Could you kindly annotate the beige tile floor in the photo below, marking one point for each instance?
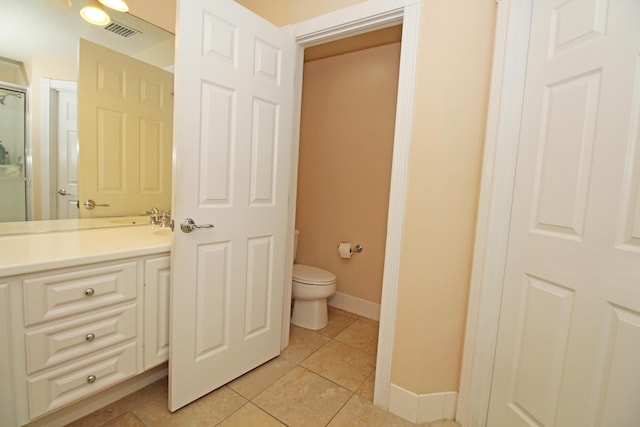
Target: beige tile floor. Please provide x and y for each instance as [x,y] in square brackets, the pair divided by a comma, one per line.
[323,378]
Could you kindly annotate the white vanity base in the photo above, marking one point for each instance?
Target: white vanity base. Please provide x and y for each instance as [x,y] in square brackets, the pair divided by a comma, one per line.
[83,321]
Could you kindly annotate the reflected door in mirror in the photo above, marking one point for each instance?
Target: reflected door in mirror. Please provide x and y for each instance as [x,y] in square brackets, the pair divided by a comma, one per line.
[67,147]
[125,129]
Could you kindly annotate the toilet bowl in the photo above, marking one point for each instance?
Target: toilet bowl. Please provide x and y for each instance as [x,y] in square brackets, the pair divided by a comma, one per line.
[310,288]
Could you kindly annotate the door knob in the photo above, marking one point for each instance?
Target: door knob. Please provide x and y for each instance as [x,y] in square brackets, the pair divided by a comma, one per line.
[188,225]
[90,204]
[63,192]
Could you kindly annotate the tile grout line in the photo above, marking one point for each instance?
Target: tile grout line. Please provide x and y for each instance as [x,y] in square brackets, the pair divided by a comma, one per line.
[341,408]
[247,401]
[299,364]
[328,379]
[351,319]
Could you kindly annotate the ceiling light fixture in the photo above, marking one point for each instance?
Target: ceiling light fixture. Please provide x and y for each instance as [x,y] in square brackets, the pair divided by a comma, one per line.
[94,13]
[119,5]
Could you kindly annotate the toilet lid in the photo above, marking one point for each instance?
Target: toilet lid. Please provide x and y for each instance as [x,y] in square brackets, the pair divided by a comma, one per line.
[312,275]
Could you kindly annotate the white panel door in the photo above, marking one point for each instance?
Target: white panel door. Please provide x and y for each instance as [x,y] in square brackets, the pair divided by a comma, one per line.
[233,130]
[67,166]
[568,347]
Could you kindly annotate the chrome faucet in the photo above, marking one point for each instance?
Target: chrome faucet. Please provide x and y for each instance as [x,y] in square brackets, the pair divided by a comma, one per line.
[154,216]
[165,219]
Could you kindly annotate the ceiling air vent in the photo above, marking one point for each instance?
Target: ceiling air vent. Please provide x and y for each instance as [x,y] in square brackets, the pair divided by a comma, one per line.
[121,30]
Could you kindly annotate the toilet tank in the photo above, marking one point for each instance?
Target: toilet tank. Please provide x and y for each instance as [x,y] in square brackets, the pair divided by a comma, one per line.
[295,244]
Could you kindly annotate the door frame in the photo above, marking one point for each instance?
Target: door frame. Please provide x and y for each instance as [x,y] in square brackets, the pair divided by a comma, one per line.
[358,19]
[494,210]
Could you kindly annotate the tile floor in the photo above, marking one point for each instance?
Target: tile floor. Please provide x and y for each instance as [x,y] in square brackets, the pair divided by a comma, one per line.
[323,378]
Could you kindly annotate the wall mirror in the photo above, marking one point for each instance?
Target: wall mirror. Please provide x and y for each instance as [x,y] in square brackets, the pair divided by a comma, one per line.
[39,45]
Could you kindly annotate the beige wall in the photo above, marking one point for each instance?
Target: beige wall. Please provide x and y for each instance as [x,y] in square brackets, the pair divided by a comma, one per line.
[446,153]
[346,145]
[455,48]
[51,67]
[161,13]
[12,72]
[283,12]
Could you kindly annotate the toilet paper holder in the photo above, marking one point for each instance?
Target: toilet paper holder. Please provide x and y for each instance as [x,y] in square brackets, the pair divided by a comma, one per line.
[357,248]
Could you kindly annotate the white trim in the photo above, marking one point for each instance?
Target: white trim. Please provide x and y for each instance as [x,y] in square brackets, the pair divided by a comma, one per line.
[494,211]
[293,191]
[397,201]
[359,306]
[28,139]
[45,135]
[422,408]
[357,19]
[360,18]
[403,403]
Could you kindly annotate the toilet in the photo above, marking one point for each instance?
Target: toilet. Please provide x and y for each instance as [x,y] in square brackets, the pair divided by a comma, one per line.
[310,288]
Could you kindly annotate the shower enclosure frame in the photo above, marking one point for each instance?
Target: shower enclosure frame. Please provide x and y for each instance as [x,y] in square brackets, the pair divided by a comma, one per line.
[28,153]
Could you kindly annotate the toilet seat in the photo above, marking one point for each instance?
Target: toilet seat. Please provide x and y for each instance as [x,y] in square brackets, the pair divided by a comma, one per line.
[309,275]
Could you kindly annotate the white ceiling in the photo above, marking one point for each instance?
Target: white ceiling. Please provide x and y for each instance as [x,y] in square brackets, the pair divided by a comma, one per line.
[32,27]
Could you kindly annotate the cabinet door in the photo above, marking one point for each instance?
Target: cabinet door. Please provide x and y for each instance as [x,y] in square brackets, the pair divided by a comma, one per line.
[156,311]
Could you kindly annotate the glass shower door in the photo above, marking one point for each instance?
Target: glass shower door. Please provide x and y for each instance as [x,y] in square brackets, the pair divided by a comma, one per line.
[13,180]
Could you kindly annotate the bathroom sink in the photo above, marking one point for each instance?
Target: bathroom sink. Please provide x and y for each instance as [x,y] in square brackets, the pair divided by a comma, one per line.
[165,231]
[133,220]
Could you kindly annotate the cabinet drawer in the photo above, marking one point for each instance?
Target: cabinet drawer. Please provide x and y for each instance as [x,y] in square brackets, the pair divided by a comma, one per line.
[64,294]
[64,341]
[69,384]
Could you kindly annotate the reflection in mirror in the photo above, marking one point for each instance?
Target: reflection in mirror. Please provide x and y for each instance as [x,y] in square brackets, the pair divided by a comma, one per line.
[13,204]
[125,128]
[38,57]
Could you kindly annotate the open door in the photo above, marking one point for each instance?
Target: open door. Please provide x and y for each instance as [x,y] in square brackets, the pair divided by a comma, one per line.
[568,342]
[233,133]
[125,125]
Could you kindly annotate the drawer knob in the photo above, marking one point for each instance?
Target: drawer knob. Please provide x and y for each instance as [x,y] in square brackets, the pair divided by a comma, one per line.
[89,291]
[91,379]
[89,337]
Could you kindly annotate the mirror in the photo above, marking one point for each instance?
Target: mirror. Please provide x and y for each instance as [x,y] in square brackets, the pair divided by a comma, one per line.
[39,45]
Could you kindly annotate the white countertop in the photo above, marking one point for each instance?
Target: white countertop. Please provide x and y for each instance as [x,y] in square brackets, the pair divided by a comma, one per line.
[27,253]
[48,226]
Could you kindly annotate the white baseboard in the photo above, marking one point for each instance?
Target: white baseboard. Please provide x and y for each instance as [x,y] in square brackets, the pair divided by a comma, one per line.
[422,408]
[359,306]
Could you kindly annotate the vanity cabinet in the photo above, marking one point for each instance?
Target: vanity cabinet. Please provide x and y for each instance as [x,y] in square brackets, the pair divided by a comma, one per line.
[156,311]
[77,331]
